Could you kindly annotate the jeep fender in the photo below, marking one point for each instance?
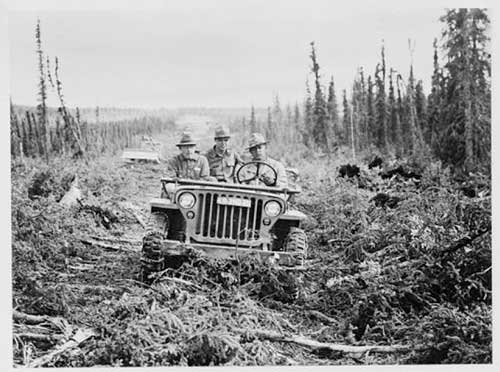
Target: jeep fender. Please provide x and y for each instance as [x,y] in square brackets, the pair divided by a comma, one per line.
[293,215]
[158,204]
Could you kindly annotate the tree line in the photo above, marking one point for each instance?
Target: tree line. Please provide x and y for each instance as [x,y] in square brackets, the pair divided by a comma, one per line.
[42,133]
[388,114]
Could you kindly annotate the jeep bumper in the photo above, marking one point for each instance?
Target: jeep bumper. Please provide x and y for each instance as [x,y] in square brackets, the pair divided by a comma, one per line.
[177,248]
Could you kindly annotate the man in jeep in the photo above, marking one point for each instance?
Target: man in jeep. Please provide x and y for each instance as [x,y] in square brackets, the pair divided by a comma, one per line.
[257,147]
[189,164]
[222,161]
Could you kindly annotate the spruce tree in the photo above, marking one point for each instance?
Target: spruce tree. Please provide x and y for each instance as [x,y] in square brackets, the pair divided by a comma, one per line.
[297,136]
[346,119]
[401,119]
[42,96]
[434,121]
[307,129]
[465,142]
[253,123]
[370,113]
[15,135]
[333,114]
[421,106]
[393,114]
[270,130]
[380,103]
[277,118]
[25,137]
[320,121]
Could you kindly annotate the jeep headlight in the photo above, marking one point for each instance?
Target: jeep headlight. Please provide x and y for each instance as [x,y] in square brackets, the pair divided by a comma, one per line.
[186,200]
[272,208]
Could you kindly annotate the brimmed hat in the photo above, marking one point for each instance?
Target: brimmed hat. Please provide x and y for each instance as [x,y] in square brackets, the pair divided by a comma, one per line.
[186,140]
[221,132]
[255,140]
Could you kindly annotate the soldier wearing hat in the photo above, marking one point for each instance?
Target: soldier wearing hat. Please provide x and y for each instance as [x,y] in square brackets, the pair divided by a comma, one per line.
[257,147]
[222,161]
[189,164]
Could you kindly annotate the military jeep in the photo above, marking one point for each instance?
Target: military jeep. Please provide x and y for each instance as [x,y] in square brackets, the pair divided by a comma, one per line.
[224,220]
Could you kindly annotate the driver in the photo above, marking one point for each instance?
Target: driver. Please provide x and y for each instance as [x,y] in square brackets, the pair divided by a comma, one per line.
[257,147]
[223,161]
[189,164]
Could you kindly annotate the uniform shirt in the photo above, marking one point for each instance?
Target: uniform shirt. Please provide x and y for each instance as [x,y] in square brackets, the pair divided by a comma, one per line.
[223,166]
[281,178]
[194,168]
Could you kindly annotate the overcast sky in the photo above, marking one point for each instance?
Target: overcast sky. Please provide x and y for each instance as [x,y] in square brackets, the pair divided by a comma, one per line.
[215,53]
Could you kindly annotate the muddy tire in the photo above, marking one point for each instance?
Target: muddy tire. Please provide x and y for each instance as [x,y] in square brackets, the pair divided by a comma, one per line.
[296,241]
[152,259]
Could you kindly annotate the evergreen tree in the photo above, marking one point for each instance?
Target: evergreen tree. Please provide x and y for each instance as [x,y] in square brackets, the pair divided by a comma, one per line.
[415,145]
[401,119]
[320,121]
[253,123]
[370,112]
[270,130]
[346,119]
[465,141]
[297,136]
[333,114]
[97,115]
[308,118]
[42,96]
[288,125]
[380,103]
[15,134]
[25,137]
[363,115]
[420,106]
[277,116]
[435,101]
[393,115]
[32,140]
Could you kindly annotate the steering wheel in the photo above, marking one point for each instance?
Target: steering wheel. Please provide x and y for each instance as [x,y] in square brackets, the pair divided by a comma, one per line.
[254,173]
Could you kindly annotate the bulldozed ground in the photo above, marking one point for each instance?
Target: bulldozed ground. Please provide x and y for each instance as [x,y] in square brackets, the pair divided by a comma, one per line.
[398,272]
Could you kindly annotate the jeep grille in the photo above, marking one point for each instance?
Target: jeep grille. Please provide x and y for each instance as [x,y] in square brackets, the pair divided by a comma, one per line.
[228,222]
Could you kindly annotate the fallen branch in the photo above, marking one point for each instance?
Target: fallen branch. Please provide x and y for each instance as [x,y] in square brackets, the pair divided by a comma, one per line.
[460,243]
[40,337]
[116,240]
[320,316]
[81,267]
[77,339]
[180,281]
[30,319]
[83,287]
[303,341]
[105,245]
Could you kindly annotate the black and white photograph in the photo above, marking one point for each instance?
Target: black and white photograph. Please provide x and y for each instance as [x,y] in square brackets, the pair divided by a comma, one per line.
[248,184]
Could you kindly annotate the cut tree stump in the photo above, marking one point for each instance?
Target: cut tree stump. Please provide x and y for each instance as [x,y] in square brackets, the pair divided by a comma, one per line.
[73,196]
